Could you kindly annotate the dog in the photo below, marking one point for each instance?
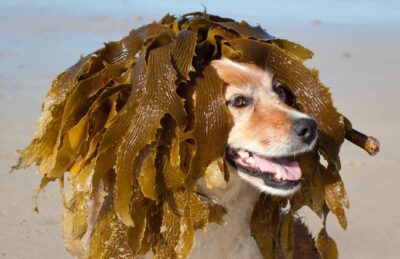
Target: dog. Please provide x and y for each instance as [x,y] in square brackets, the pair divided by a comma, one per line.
[266,136]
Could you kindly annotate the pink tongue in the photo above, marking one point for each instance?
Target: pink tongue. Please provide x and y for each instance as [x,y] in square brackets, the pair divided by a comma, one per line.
[290,170]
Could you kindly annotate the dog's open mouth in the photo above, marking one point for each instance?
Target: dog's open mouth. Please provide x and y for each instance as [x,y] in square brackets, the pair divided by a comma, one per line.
[277,172]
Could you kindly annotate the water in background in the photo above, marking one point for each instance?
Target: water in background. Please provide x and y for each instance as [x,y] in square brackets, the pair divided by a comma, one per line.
[280,11]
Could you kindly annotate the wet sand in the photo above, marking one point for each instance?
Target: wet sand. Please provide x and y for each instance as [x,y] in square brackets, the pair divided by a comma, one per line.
[359,62]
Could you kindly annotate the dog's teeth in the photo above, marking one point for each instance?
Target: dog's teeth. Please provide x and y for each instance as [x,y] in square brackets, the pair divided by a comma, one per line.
[278,174]
[250,160]
[243,154]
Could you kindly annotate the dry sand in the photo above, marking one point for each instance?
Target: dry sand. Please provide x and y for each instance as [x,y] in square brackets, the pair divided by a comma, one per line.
[360,63]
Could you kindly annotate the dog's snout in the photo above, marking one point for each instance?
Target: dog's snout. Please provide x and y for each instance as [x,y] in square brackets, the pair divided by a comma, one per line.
[305,129]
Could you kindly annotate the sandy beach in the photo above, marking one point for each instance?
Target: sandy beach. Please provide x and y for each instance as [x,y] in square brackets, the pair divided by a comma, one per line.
[360,62]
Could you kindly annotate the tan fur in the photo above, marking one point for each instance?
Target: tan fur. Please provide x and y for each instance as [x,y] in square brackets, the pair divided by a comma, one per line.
[268,120]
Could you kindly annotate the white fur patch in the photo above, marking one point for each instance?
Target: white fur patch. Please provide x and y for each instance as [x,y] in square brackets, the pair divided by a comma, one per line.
[233,239]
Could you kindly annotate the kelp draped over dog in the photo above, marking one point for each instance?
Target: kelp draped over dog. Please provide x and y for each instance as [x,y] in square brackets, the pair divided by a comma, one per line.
[142,119]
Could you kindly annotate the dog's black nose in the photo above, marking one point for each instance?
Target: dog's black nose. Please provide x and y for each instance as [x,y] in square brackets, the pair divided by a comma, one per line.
[305,129]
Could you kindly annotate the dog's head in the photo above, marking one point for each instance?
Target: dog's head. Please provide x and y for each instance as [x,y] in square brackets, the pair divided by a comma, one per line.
[267,133]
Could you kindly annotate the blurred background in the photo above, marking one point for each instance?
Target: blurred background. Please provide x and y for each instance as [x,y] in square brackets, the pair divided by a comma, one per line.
[357,50]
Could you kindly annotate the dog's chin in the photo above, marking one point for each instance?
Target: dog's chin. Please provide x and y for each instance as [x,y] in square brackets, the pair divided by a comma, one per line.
[279,176]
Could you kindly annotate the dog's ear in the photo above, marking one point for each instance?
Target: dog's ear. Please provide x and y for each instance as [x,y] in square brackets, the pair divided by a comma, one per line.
[239,74]
[231,72]
[224,64]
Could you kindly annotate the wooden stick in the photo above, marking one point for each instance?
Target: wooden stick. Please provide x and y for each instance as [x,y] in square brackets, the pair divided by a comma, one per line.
[368,143]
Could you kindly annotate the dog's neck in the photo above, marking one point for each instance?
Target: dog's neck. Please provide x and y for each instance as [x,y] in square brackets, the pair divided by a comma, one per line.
[236,194]
[233,238]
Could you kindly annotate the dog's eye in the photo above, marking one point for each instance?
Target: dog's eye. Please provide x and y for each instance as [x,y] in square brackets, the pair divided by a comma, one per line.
[283,92]
[239,101]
